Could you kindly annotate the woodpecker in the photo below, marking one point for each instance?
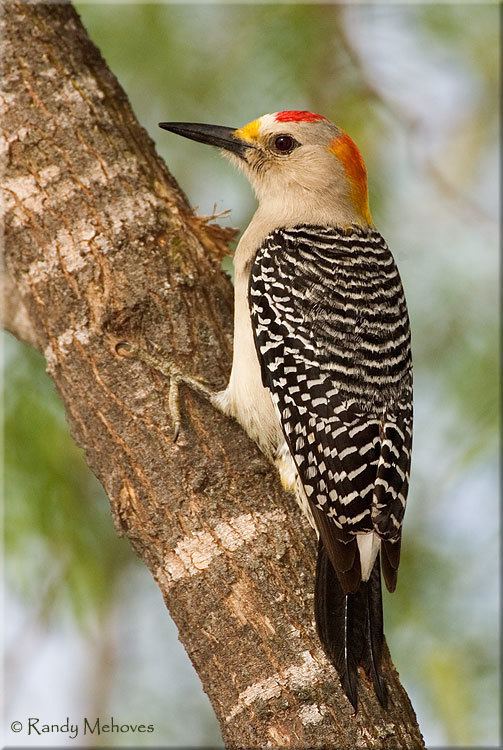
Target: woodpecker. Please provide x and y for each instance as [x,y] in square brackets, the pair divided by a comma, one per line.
[321,375]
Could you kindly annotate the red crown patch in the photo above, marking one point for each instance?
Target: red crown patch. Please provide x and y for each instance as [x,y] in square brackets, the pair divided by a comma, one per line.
[294,115]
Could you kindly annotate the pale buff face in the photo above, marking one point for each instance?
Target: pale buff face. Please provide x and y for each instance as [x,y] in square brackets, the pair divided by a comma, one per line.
[323,167]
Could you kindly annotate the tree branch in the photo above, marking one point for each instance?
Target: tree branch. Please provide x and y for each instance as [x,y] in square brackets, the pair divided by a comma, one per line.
[102,245]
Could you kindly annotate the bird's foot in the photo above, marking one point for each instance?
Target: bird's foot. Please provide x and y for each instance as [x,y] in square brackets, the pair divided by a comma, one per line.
[169,370]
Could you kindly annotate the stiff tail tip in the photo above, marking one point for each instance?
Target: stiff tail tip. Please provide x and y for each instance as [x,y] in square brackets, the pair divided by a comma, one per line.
[350,627]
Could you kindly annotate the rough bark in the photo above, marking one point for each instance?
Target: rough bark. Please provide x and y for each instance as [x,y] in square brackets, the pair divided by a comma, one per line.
[102,246]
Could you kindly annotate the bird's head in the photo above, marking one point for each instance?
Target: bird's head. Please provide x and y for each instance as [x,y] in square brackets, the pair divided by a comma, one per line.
[301,166]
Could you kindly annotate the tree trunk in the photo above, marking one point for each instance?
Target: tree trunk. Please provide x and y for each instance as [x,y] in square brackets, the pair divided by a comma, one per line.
[101,246]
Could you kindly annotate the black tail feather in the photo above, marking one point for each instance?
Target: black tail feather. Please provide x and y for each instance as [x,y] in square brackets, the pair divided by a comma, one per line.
[350,627]
[374,640]
[333,622]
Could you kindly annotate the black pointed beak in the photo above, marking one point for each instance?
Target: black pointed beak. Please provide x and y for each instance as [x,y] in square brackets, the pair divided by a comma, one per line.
[214,135]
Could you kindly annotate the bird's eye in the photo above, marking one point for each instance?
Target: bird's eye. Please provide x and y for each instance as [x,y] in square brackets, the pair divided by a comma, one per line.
[283,144]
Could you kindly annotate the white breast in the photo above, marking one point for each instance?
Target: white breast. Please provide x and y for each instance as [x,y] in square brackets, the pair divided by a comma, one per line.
[245,398]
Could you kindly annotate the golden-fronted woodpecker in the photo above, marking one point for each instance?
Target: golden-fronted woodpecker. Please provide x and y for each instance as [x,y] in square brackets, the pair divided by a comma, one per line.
[321,375]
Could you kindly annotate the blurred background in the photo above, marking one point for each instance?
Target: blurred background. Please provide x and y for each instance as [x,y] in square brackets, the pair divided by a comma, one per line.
[416,86]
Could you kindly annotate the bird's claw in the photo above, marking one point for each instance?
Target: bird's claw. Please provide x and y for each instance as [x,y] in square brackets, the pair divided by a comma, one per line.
[130,350]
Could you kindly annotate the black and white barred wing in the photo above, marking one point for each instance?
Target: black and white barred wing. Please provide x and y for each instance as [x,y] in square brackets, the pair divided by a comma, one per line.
[332,336]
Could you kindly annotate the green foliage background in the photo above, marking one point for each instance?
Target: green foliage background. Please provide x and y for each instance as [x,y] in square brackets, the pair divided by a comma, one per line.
[417,87]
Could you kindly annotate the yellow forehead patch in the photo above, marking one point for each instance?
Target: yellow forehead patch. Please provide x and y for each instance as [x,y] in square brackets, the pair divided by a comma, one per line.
[249,132]
[346,150]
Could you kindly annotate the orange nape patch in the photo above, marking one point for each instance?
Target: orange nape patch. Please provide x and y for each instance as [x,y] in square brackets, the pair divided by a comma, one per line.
[345,149]
[248,132]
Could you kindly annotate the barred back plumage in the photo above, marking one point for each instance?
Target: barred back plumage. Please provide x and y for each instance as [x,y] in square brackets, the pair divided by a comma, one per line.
[332,335]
